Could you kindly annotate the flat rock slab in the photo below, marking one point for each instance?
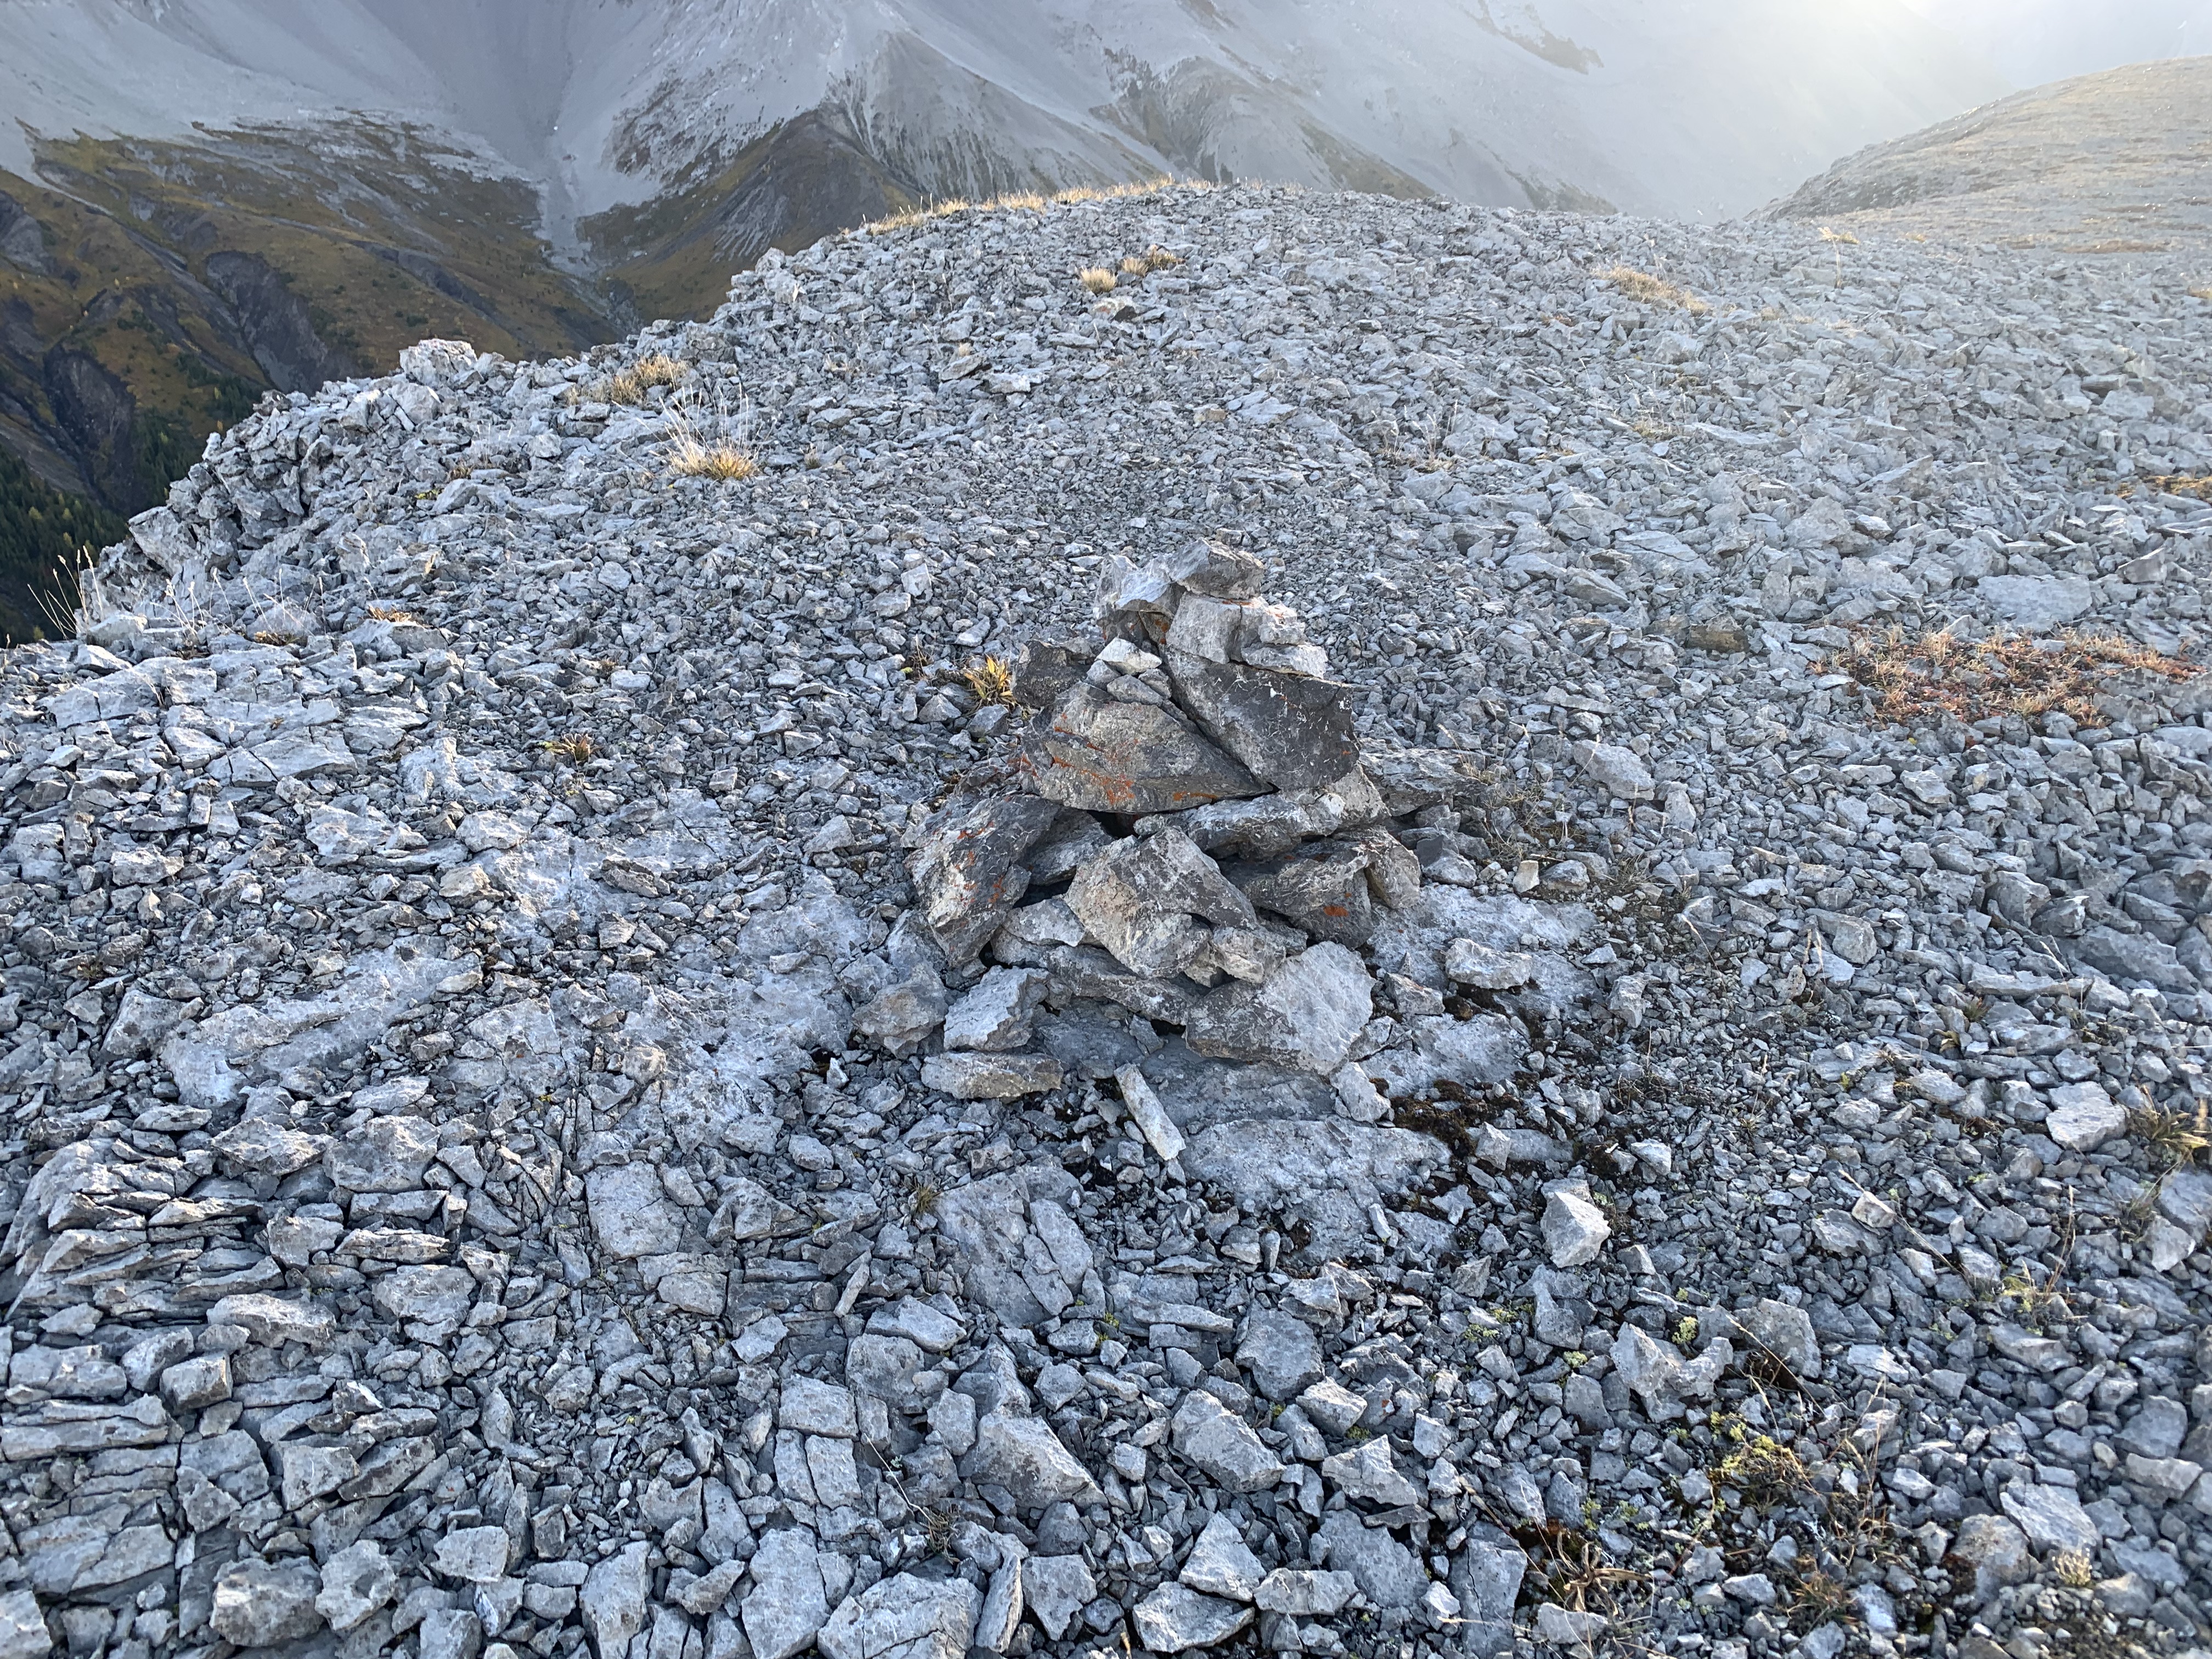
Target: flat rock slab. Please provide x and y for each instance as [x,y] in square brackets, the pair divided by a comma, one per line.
[1294,732]
[2038,605]
[1305,1014]
[1198,1093]
[1326,1171]
[1104,755]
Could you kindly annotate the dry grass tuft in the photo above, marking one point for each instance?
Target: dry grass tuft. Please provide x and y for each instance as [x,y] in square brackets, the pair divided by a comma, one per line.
[573,750]
[724,462]
[1097,279]
[922,212]
[1647,290]
[2073,1569]
[2173,484]
[1912,678]
[1571,1569]
[630,385]
[2175,1137]
[991,680]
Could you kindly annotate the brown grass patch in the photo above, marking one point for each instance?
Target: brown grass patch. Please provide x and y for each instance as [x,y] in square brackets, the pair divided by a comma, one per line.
[1096,279]
[2174,1136]
[1911,678]
[921,212]
[1647,290]
[2174,483]
[1569,1568]
[1767,1472]
[573,750]
[724,463]
[630,385]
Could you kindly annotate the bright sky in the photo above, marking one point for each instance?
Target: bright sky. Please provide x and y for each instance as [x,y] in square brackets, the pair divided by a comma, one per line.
[2032,41]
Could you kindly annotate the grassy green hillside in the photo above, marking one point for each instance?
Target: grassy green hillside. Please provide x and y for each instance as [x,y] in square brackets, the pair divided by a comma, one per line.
[44,535]
[150,293]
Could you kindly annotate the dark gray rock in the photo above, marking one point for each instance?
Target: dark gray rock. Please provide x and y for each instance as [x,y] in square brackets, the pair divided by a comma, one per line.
[1105,755]
[968,870]
[1293,731]
[1322,889]
[1281,1352]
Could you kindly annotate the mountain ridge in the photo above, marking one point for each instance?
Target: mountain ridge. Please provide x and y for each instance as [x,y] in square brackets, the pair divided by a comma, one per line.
[537,177]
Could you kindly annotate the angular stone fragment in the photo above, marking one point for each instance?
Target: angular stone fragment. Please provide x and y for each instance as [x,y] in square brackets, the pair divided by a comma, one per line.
[1275,824]
[23,1633]
[260,1146]
[1135,602]
[1138,896]
[900,1018]
[990,1077]
[1292,730]
[2083,1117]
[631,1212]
[274,1320]
[384,1155]
[968,870]
[1075,838]
[1223,1444]
[1996,1549]
[1085,974]
[1216,570]
[1618,770]
[1787,1334]
[1105,755]
[356,1582]
[1023,1454]
[1221,1564]
[260,1603]
[2052,1516]
[1306,1014]
[1174,1618]
[787,1604]
[1369,1471]
[1321,890]
[1280,1350]
[1055,1588]
[614,1600]
[477,1554]
[903,1617]
[1207,628]
[1303,1592]
[1046,664]
[1575,1229]
[994,1015]
[1470,964]
[1388,1573]
[1151,1117]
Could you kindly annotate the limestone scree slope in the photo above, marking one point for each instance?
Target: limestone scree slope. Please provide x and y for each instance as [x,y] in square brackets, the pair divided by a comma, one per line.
[1434,931]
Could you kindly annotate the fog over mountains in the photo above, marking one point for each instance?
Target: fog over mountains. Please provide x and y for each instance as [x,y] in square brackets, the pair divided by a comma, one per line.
[1706,108]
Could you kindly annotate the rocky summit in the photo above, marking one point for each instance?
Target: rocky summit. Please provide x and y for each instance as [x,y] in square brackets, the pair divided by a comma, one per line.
[1210,920]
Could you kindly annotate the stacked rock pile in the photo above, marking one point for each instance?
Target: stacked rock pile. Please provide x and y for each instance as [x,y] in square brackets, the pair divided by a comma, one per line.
[1196,847]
